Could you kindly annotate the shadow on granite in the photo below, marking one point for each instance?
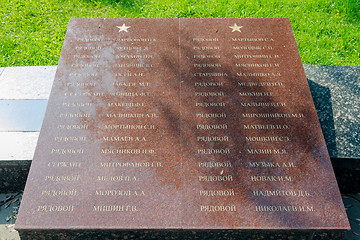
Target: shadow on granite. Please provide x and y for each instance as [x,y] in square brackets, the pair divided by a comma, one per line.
[336,94]
[322,100]
[335,91]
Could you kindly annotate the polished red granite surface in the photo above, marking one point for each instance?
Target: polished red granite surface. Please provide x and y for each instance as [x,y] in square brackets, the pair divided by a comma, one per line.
[181,124]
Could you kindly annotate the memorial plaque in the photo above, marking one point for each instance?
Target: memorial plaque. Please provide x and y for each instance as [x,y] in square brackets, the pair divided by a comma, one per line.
[178,125]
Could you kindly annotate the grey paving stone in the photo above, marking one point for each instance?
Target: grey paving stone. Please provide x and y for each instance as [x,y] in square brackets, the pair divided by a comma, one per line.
[17,145]
[26,82]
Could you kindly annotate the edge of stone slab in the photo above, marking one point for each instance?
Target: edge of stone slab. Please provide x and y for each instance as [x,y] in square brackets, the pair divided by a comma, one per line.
[255,234]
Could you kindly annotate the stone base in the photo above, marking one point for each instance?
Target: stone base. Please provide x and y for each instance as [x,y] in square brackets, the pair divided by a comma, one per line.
[180,234]
[13,175]
[347,172]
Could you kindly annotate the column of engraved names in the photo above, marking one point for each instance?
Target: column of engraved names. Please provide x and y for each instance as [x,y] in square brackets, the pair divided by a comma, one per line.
[67,151]
[267,123]
[213,150]
[129,125]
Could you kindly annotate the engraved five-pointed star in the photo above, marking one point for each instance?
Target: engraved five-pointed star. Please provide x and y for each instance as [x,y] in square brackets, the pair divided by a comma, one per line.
[123,28]
[235,28]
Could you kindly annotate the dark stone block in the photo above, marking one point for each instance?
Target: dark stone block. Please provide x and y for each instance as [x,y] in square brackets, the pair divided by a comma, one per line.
[13,175]
[336,94]
[180,124]
[181,234]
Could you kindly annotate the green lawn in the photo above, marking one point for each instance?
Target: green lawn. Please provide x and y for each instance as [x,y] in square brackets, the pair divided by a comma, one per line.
[32,31]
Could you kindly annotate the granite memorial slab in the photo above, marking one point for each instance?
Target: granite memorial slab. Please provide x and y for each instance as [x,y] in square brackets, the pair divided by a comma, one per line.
[169,127]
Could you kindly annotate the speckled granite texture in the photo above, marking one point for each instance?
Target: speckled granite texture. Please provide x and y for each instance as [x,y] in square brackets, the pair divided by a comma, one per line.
[351,201]
[181,235]
[13,175]
[181,124]
[336,94]
[335,91]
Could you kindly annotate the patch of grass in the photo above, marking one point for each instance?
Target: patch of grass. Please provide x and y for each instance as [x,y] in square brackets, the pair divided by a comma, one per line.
[32,32]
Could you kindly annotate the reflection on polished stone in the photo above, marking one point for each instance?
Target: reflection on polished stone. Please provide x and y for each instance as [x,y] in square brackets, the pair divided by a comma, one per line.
[22,115]
[180,124]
